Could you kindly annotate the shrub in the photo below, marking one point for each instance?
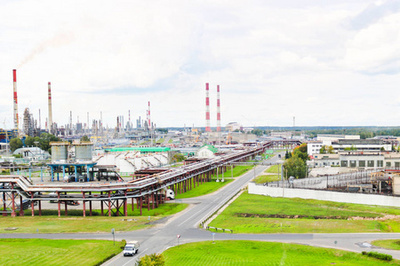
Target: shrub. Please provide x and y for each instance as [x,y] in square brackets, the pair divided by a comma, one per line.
[151,260]
[378,255]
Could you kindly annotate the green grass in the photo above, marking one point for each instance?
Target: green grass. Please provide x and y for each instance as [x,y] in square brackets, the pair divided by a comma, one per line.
[170,140]
[261,179]
[49,222]
[161,140]
[261,214]
[203,189]
[388,244]
[237,171]
[274,169]
[262,253]
[210,187]
[56,252]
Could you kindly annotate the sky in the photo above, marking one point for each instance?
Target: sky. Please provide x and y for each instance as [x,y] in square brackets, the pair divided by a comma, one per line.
[324,62]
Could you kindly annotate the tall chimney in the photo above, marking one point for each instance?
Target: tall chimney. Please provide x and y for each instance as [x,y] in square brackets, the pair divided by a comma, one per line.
[50,110]
[148,116]
[218,111]
[208,129]
[15,99]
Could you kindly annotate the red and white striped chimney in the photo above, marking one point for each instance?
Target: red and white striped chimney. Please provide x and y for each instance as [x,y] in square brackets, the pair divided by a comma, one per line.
[148,116]
[218,111]
[208,129]
[15,99]
[50,125]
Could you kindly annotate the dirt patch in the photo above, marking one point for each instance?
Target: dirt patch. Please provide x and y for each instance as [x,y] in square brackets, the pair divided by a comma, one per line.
[253,215]
[384,218]
[315,217]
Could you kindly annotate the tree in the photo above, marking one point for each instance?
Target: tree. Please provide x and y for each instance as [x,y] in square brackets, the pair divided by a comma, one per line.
[257,132]
[326,149]
[322,150]
[179,157]
[15,143]
[45,139]
[295,166]
[151,260]
[85,139]
[330,150]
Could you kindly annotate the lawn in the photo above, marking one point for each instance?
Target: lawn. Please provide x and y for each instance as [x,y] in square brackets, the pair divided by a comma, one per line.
[261,179]
[57,252]
[388,244]
[49,222]
[203,189]
[209,187]
[161,140]
[236,171]
[274,169]
[262,214]
[262,253]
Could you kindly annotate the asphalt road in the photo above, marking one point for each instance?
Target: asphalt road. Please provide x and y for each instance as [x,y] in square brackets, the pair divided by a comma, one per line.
[186,224]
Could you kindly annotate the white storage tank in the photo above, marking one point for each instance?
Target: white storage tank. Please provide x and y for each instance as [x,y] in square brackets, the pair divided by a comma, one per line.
[83,152]
[396,185]
[59,151]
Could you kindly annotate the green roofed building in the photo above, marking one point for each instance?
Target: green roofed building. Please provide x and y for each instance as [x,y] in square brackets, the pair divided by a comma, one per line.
[142,150]
[207,151]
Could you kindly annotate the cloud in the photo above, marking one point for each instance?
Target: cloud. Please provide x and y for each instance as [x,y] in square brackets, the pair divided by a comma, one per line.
[373,13]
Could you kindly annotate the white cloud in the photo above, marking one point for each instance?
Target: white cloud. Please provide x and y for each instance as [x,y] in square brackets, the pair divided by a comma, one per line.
[272,59]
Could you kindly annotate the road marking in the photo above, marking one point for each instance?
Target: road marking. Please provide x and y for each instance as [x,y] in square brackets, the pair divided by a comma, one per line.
[134,257]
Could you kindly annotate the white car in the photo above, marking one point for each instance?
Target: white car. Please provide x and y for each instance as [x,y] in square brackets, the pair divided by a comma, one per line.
[131,248]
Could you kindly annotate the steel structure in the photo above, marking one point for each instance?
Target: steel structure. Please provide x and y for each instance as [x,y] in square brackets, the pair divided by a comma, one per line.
[50,109]
[113,197]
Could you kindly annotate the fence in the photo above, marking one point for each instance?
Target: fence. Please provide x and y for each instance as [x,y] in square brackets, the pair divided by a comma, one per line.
[358,198]
[327,181]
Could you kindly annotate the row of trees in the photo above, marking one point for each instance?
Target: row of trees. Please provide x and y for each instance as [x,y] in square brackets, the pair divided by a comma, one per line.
[43,142]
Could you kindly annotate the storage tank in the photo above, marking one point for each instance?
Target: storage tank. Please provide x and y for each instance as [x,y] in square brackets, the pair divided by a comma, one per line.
[83,152]
[396,185]
[59,151]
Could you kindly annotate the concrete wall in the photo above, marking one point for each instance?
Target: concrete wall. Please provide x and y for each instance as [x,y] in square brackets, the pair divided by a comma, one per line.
[358,198]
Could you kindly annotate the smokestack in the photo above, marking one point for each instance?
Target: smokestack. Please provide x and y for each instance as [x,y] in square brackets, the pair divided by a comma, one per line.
[16,122]
[218,111]
[50,111]
[148,116]
[208,129]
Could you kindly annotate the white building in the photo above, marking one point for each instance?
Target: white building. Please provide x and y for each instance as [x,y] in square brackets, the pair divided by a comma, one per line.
[335,137]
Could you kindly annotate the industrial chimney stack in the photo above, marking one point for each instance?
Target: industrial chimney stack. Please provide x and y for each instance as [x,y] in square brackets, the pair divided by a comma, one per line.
[218,111]
[15,99]
[208,129]
[50,110]
[148,116]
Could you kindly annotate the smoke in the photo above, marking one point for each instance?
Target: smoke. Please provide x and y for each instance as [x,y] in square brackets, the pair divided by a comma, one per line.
[60,39]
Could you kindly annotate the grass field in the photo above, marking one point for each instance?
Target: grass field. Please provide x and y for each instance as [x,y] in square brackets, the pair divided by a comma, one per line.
[261,214]
[388,244]
[261,179]
[237,171]
[203,189]
[262,253]
[274,169]
[159,141]
[74,222]
[210,187]
[56,252]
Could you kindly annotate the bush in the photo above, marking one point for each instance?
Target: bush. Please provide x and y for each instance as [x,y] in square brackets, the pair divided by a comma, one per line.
[378,255]
[151,260]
